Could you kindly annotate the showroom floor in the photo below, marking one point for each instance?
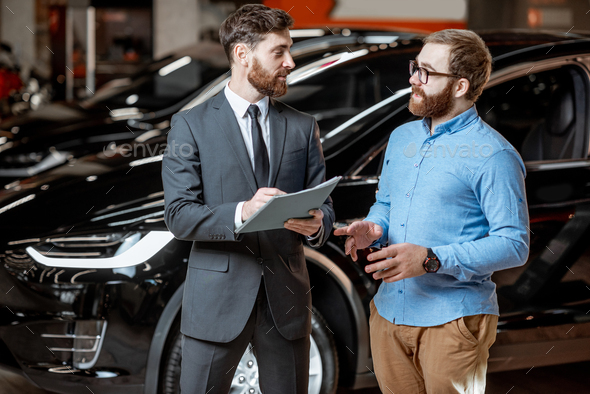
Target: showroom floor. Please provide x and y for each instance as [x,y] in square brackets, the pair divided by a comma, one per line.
[12,384]
[568,378]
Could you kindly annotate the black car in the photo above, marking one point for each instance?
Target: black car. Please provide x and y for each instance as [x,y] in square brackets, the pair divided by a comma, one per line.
[59,132]
[123,109]
[92,280]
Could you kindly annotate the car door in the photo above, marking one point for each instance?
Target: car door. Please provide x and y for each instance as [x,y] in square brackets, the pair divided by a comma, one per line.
[542,110]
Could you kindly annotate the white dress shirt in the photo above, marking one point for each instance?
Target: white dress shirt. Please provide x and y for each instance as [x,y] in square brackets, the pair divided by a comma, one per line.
[240,107]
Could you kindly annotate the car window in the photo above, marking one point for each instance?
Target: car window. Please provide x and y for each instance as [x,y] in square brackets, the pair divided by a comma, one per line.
[163,88]
[164,82]
[541,114]
[372,163]
[337,94]
[357,148]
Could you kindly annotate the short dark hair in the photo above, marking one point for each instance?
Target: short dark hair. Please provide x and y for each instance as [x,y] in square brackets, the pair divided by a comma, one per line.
[250,24]
[469,57]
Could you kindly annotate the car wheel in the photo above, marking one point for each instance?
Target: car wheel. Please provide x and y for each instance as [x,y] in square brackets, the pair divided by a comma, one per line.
[169,381]
[323,363]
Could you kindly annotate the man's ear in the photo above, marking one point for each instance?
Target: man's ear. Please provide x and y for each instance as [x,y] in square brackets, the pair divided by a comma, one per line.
[462,87]
[240,53]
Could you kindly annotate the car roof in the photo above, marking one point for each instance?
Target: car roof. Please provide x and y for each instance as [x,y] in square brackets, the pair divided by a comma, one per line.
[502,42]
[499,42]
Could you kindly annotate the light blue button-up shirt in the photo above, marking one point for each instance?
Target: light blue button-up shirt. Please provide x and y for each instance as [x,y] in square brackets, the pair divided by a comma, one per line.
[460,192]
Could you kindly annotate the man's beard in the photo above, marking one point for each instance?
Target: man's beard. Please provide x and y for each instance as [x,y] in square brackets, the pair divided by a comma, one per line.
[435,106]
[267,83]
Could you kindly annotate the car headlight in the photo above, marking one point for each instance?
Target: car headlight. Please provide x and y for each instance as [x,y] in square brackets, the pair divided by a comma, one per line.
[113,250]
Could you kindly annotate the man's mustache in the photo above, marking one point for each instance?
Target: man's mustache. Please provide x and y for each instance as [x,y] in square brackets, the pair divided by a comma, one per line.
[418,91]
[284,73]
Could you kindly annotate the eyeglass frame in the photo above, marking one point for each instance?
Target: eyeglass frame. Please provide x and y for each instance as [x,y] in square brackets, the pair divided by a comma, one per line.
[428,73]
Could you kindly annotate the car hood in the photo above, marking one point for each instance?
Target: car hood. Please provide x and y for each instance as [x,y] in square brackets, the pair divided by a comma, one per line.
[47,117]
[97,192]
[47,127]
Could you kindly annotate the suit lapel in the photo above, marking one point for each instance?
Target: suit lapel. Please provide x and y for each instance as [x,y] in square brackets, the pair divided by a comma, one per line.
[227,122]
[278,133]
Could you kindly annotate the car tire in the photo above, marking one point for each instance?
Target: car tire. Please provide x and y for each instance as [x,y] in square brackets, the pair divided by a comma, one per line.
[323,359]
[324,340]
[169,380]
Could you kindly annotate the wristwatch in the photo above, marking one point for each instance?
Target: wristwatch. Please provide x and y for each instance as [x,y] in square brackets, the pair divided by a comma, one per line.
[432,263]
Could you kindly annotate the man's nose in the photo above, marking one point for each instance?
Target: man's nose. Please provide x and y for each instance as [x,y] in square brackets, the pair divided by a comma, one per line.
[414,80]
[289,62]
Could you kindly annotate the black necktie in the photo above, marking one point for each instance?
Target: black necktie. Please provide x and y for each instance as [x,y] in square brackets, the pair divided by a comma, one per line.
[260,152]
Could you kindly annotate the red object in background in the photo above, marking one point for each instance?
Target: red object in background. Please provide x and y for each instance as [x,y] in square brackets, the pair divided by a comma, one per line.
[57,43]
[9,82]
[54,21]
[79,64]
[316,13]
[313,13]
[534,17]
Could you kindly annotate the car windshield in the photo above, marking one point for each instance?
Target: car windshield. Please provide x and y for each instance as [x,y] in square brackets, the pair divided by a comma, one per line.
[165,82]
[340,88]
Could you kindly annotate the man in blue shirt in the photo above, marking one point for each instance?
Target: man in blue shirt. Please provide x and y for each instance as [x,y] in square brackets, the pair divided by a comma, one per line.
[451,209]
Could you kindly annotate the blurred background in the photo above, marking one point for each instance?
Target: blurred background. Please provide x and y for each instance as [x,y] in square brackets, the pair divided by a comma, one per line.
[68,49]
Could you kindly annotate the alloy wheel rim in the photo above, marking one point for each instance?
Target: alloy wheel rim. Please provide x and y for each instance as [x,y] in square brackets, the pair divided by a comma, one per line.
[246,377]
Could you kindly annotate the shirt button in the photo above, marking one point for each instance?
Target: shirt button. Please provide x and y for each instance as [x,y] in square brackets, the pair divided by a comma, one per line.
[416,165]
[402,225]
[259,260]
[400,291]
[408,195]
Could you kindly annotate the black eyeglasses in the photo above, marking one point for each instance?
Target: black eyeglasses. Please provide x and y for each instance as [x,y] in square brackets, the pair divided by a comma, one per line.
[424,73]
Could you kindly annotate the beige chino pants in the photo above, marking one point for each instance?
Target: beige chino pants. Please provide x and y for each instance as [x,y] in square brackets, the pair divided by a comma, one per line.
[445,359]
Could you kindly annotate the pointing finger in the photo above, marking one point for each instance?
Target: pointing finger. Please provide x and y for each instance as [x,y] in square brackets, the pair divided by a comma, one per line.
[341,231]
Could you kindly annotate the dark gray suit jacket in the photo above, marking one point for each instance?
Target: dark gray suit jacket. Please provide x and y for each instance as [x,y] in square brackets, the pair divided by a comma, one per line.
[206,172]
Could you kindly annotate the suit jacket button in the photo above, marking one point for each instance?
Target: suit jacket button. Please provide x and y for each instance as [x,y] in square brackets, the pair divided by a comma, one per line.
[260,260]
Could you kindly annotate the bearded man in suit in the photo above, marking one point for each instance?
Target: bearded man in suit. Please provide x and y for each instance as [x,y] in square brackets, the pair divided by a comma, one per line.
[245,147]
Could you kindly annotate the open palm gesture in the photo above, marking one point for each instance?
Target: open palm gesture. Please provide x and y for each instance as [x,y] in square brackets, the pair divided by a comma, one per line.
[360,236]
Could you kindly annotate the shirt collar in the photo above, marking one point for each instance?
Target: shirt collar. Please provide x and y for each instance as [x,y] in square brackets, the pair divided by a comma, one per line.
[240,105]
[458,123]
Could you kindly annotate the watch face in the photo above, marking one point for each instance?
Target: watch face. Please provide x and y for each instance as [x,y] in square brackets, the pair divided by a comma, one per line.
[431,265]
